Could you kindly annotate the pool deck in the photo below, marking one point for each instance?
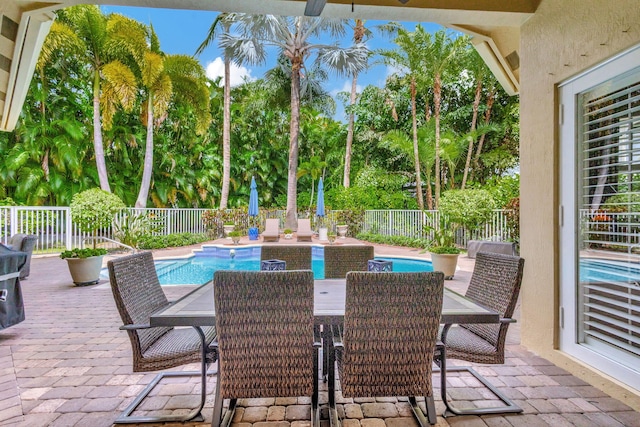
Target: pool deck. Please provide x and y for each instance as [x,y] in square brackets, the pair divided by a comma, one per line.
[68,364]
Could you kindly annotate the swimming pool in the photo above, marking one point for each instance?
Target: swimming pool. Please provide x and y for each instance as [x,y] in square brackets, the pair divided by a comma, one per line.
[199,268]
[600,270]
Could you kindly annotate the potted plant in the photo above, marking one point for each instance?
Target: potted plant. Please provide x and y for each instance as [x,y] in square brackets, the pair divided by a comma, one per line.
[228,227]
[443,249]
[91,210]
[235,236]
[288,233]
[342,230]
[331,237]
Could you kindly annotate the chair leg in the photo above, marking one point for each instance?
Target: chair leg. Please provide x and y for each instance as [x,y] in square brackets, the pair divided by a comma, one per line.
[510,407]
[194,415]
[334,421]
[315,407]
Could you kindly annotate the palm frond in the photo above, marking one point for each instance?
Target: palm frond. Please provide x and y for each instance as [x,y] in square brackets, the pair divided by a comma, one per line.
[243,50]
[345,61]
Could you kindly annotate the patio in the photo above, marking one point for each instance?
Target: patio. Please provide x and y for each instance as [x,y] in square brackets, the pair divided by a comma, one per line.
[68,364]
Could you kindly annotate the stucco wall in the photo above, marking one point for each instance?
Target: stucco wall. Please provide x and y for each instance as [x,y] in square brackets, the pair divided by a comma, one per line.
[563,39]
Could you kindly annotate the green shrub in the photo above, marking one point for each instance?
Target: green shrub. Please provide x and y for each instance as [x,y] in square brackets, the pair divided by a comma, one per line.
[513,218]
[94,209]
[83,253]
[412,242]
[131,227]
[468,208]
[171,240]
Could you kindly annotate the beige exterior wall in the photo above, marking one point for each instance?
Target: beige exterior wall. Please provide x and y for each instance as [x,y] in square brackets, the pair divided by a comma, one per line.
[563,39]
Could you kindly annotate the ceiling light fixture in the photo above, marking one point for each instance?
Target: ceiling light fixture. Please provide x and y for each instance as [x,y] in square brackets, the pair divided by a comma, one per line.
[314,7]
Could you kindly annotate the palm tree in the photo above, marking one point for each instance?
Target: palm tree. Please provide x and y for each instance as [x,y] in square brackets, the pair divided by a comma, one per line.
[442,53]
[314,168]
[359,31]
[292,36]
[478,70]
[106,40]
[411,57]
[222,25]
[160,75]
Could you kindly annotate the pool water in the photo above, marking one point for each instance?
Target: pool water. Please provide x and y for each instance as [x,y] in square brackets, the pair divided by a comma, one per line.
[597,270]
[199,269]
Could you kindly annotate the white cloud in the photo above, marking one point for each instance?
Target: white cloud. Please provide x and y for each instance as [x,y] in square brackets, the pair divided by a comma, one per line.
[346,87]
[215,69]
[392,71]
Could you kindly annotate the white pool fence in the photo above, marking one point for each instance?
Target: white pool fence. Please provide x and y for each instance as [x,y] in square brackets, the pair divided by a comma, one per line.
[57,232]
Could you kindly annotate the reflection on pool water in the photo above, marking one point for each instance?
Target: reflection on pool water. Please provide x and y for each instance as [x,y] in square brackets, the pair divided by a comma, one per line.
[600,270]
[199,269]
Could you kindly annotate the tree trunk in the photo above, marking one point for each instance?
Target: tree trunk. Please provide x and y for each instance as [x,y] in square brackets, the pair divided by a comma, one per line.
[474,119]
[429,192]
[416,155]
[226,135]
[487,118]
[145,184]
[358,35]
[437,91]
[346,182]
[294,129]
[98,146]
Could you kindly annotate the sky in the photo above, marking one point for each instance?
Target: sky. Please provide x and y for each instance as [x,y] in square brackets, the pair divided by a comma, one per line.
[182,31]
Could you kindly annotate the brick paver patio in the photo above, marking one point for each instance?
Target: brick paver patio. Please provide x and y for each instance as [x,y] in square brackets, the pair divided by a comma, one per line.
[68,364]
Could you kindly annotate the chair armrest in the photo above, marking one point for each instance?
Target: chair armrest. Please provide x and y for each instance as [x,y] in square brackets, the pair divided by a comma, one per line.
[507,320]
[135,326]
[317,338]
[336,337]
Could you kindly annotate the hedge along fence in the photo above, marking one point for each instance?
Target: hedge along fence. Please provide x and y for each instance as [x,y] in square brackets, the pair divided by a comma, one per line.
[56,232]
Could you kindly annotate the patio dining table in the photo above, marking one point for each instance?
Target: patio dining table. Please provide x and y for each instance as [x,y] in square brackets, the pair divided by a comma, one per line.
[197,309]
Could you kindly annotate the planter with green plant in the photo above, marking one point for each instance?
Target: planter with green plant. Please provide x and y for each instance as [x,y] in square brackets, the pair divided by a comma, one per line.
[288,233]
[331,237]
[228,227]
[91,210]
[235,236]
[443,249]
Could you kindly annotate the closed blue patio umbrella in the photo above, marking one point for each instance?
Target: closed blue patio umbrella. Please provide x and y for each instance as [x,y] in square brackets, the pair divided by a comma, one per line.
[320,202]
[322,231]
[253,208]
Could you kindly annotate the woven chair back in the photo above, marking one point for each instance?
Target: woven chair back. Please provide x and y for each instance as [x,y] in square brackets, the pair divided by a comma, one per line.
[495,284]
[296,257]
[390,330]
[339,260]
[137,293]
[264,321]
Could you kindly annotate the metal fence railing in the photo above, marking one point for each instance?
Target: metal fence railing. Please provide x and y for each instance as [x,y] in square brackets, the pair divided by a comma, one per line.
[416,223]
[56,231]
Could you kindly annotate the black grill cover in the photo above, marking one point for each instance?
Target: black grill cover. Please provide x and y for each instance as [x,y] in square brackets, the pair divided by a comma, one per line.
[11,306]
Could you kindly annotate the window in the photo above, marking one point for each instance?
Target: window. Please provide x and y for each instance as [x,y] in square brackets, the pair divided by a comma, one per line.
[600,237]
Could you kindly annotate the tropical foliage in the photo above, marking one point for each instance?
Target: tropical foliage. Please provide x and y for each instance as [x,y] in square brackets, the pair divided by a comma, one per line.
[108,108]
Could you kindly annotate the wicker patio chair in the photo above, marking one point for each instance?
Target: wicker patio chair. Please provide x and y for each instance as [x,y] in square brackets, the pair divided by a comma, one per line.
[266,338]
[495,284]
[386,345]
[339,260]
[138,294]
[296,257]
[271,231]
[24,243]
[304,232]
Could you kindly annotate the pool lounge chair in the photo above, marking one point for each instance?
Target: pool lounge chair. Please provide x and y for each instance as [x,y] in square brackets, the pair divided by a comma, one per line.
[304,232]
[271,232]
